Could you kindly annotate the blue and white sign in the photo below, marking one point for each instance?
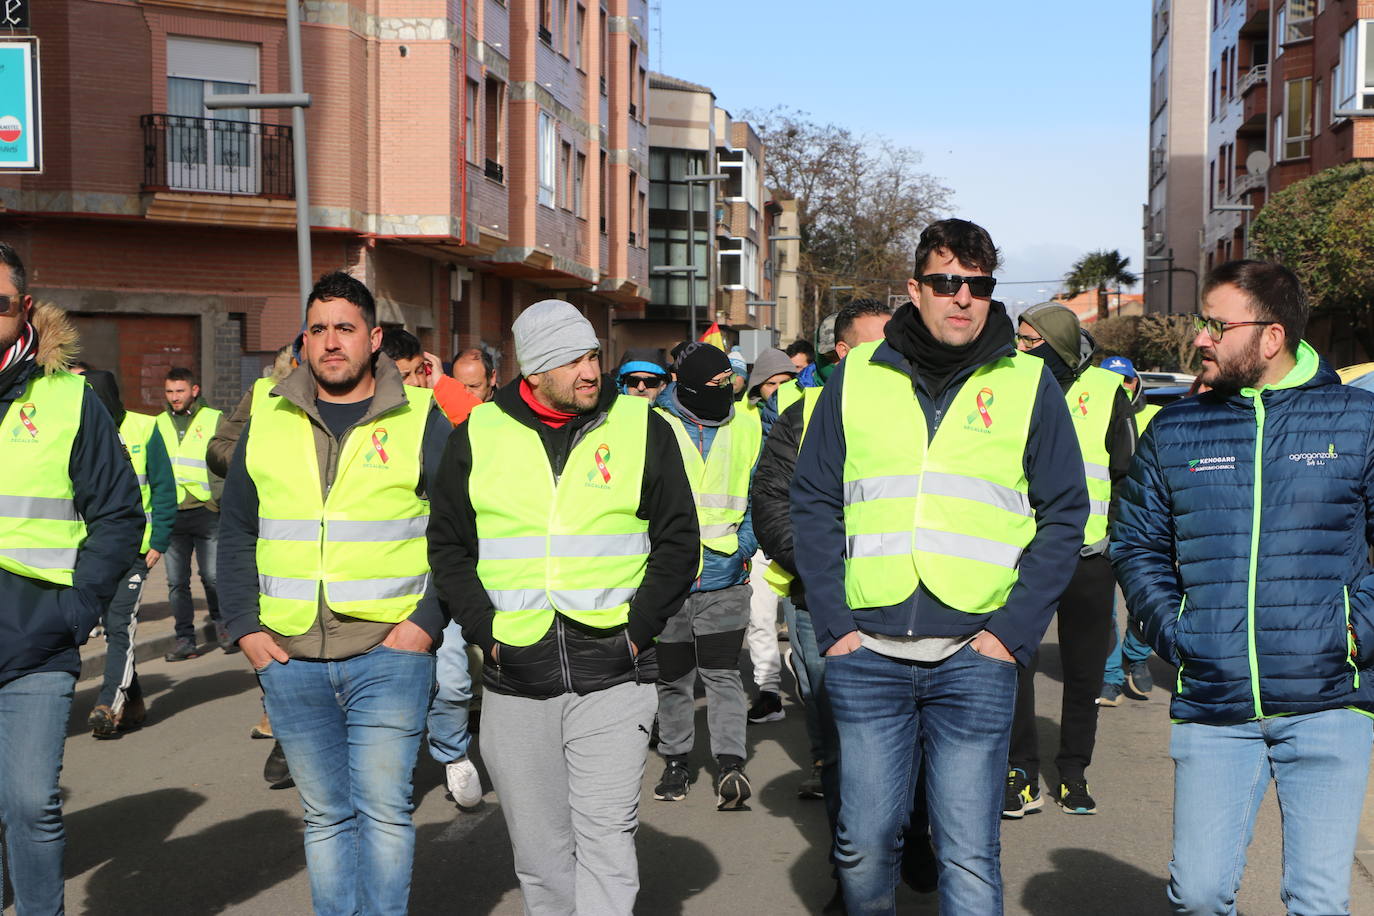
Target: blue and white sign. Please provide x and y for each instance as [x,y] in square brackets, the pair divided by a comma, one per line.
[20,149]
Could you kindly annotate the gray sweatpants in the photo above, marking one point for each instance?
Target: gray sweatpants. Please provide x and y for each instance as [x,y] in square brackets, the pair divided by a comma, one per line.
[710,626]
[567,771]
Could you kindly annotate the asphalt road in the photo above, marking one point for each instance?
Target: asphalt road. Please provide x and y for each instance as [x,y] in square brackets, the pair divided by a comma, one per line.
[176,819]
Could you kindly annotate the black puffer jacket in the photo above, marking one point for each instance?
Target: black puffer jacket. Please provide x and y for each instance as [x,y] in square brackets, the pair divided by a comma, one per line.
[569,658]
[771,500]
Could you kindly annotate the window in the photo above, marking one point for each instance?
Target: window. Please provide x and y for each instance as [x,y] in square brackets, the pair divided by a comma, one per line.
[1317,108]
[643,219]
[1296,128]
[632,77]
[601,189]
[494,125]
[565,173]
[211,150]
[604,38]
[548,159]
[580,38]
[579,185]
[560,27]
[1215,85]
[1298,25]
[1352,79]
[470,122]
[633,185]
[546,21]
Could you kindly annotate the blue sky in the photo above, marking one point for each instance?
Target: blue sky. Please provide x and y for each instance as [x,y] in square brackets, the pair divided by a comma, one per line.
[1035,114]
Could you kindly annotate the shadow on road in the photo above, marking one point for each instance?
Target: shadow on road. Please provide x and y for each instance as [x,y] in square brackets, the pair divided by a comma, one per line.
[163,700]
[672,870]
[1088,881]
[140,870]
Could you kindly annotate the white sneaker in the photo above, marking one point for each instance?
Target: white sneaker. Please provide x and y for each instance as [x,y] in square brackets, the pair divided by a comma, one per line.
[463,783]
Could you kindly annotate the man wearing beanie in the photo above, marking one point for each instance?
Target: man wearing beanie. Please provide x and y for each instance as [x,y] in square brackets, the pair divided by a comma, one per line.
[1104,422]
[720,443]
[771,389]
[563,537]
[936,508]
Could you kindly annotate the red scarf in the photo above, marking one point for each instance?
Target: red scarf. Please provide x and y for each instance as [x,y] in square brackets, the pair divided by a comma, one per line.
[547,415]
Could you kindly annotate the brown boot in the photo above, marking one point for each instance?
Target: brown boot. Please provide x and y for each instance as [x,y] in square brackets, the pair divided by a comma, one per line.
[133,715]
[102,722]
[263,729]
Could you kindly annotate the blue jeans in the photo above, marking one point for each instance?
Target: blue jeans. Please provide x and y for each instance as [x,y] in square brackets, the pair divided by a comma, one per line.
[820,721]
[351,732]
[1130,651]
[893,715]
[1319,763]
[448,711]
[33,728]
[196,529]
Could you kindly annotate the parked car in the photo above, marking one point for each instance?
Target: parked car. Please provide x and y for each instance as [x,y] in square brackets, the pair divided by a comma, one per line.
[1165,380]
[1360,375]
[1167,394]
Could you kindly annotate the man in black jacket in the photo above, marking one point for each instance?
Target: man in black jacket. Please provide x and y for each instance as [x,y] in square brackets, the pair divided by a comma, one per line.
[71,522]
[563,536]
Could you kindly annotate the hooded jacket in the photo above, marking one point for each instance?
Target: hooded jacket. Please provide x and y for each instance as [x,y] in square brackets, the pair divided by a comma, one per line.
[1242,547]
[569,658]
[42,624]
[331,635]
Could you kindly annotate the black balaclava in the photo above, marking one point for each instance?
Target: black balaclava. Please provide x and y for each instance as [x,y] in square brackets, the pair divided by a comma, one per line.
[698,364]
[106,389]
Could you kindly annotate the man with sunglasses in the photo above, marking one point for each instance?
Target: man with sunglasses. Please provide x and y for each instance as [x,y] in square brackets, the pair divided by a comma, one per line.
[934,535]
[642,379]
[1242,546]
[1104,420]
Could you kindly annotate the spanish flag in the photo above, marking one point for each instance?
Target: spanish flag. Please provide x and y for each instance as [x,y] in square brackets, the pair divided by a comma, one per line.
[714,337]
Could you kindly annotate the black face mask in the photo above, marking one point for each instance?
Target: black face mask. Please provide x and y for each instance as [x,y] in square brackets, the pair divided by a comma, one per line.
[706,401]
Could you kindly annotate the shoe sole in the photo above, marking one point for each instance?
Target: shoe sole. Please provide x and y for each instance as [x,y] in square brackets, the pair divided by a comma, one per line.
[1029,807]
[734,803]
[1134,692]
[259,733]
[771,717]
[1068,810]
[810,796]
[1103,701]
[670,798]
[180,658]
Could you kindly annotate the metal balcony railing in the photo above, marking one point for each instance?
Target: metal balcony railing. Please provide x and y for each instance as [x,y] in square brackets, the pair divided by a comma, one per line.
[495,171]
[1257,75]
[1247,183]
[214,156]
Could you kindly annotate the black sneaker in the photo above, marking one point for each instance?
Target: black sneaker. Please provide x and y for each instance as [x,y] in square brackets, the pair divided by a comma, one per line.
[185,648]
[811,786]
[767,708]
[1073,797]
[672,786]
[1110,696]
[732,786]
[222,638]
[275,771]
[1022,796]
[1138,677]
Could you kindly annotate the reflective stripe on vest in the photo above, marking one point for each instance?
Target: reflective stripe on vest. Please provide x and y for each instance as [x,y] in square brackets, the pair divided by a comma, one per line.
[188,454]
[779,579]
[365,543]
[951,512]
[137,429]
[720,482]
[40,529]
[574,545]
[1090,399]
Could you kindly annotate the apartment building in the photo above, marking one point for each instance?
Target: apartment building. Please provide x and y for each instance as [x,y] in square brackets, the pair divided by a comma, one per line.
[466,159]
[1178,141]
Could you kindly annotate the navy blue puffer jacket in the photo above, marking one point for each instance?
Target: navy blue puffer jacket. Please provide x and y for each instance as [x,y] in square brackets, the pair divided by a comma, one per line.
[1242,547]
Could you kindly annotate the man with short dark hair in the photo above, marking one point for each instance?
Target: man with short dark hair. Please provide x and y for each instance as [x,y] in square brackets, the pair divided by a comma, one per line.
[476,370]
[934,535]
[327,588]
[1242,546]
[70,524]
[802,353]
[405,351]
[187,426]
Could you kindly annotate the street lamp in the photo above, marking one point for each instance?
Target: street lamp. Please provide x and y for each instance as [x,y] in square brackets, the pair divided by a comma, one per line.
[1171,270]
[773,258]
[690,180]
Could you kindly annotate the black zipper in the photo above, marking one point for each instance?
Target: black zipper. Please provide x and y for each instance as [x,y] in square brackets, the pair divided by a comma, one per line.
[563,653]
[634,656]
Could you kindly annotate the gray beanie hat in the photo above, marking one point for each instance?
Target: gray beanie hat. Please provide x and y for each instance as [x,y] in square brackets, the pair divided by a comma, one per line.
[769,363]
[549,334]
[1059,326]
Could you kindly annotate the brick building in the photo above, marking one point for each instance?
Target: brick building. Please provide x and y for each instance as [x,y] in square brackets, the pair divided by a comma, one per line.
[466,159]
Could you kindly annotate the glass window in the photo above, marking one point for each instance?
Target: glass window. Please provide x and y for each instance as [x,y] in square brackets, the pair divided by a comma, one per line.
[470,122]
[1298,24]
[495,117]
[548,159]
[1297,118]
[580,37]
[579,185]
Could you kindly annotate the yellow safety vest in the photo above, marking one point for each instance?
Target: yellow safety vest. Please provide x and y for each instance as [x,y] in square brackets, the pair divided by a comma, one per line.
[951,513]
[40,529]
[573,544]
[1090,399]
[137,429]
[720,481]
[262,390]
[789,393]
[779,579]
[188,454]
[365,542]
[1144,415]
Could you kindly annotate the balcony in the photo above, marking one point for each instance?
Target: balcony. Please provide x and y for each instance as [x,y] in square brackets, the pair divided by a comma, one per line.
[545,36]
[1257,75]
[1256,23]
[209,156]
[495,171]
[1246,183]
[1255,114]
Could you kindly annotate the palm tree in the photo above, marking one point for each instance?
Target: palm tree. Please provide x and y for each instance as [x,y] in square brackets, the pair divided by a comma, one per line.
[1100,269]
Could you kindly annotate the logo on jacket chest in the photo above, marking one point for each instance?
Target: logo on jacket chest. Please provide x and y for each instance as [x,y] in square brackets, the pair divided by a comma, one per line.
[27,430]
[376,457]
[1316,459]
[599,477]
[1214,463]
[980,421]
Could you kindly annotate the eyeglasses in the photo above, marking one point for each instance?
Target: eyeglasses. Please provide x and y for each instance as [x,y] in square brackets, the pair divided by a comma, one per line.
[724,381]
[1030,340]
[948,284]
[1215,327]
[8,303]
[635,381]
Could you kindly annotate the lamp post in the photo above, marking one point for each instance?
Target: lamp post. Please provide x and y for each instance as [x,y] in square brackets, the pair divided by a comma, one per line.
[773,258]
[1170,258]
[691,180]
[297,100]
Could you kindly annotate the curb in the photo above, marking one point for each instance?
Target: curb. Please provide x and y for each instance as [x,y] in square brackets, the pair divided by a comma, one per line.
[147,649]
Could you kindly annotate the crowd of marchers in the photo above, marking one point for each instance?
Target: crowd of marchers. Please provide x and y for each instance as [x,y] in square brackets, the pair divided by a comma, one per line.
[389,540]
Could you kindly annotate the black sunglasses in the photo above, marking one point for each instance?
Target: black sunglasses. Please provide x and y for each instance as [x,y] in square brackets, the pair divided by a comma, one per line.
[948,284]
[630,381]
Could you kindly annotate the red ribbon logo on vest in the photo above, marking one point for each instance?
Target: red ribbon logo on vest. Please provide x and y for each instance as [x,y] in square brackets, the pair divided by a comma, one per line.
[984,400]
[602,455]
[1083,403]
[379,438]
[26,417]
